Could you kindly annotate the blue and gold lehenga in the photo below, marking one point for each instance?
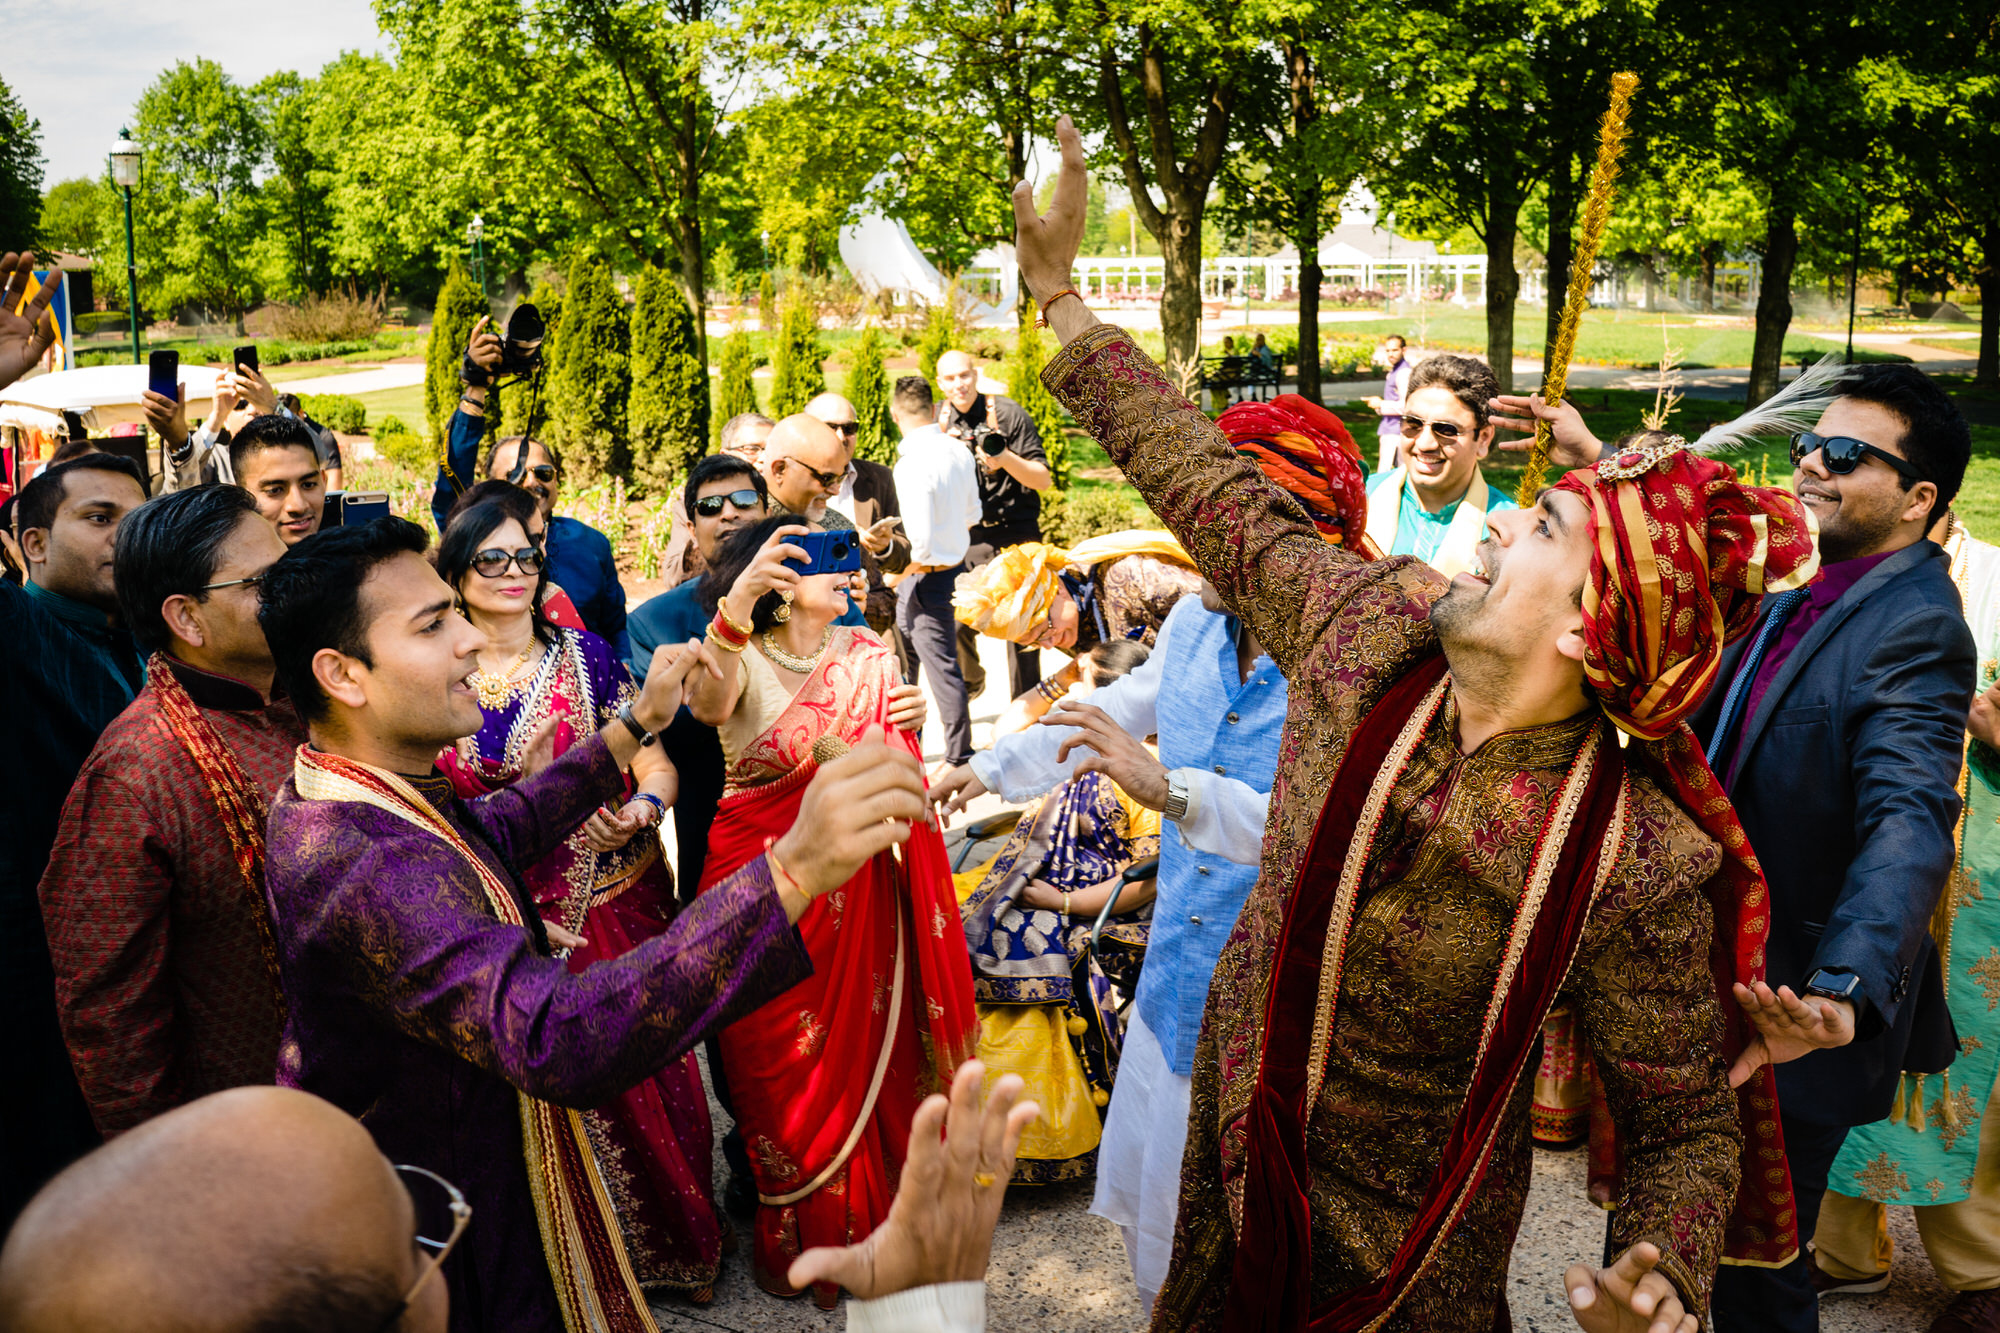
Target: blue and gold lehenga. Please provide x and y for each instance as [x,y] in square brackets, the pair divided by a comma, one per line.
[1048,1003]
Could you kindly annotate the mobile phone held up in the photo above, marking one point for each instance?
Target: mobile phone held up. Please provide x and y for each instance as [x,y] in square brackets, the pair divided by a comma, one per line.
[831,552]
[246,355]
[163,374]
[346,509]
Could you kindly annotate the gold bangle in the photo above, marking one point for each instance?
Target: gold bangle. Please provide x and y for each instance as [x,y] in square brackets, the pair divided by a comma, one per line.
[722,643]
[746,631]
[1065,904]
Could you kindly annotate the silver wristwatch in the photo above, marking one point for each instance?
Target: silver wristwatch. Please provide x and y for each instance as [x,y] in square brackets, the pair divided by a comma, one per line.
[1176,804]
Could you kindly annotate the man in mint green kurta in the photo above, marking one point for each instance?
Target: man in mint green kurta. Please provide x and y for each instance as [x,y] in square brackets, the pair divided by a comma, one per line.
[1433,503]
[1940,1150]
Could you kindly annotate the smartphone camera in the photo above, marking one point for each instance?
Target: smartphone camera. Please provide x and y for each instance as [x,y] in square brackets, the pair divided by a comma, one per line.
[993,444]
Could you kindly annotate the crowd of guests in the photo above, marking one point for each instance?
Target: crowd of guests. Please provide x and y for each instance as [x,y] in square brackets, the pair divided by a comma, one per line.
[381,823]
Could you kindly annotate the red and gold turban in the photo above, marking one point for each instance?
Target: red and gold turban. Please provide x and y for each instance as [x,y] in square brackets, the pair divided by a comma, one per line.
[1681,554]
[1306,450]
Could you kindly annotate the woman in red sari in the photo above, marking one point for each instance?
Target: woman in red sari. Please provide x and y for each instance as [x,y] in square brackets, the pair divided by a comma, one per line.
[826,1077]
[541,687]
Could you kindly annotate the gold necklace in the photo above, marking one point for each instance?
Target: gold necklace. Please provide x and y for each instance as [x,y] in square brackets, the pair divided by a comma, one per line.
[495,690]
[791,661]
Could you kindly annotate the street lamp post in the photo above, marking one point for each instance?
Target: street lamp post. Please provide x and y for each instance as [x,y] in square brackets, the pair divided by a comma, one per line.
[125,175]
[474,231]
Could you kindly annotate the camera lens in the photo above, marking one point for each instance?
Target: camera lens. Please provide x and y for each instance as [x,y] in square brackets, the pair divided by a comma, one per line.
[993,443]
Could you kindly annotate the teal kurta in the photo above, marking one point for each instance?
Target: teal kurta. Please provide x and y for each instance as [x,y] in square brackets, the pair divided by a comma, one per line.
[1419,532]
[1931,1159]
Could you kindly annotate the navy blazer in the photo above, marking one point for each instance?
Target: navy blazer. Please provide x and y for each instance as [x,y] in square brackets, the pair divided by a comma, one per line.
[1848,790]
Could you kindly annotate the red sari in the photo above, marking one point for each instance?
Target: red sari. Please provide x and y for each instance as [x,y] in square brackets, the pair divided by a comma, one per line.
[826,1077]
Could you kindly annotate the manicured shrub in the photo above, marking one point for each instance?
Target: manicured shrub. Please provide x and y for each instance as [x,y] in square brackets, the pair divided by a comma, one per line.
[667,417]
[590,379]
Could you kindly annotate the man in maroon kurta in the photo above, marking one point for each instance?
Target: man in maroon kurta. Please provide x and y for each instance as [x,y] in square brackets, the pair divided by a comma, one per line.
[421,994]
[163,966]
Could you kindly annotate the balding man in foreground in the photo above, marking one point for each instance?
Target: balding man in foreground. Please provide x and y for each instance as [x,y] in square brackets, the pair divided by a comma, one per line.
[868,496]
[254,1208]
[262,1209]
[806,464]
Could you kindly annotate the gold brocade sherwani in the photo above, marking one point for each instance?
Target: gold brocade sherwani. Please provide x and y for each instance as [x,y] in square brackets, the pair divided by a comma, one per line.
[1456,843]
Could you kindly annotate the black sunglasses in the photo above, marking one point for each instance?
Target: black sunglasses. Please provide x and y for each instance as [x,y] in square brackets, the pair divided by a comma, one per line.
[1444,430]
[1843,453]
[845,427]
[543,472]
[493,561]
[708,506]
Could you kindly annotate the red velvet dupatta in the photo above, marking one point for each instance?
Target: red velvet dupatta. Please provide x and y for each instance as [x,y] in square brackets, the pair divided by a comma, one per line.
[826,1077]
[585,1249]
[1271,1283]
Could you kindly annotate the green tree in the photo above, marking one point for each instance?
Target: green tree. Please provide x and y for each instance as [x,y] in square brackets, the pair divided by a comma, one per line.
[73,217]
[767,301]
[296,192]
[668,414]
[737,393]
[868,390]
[20,172]
[527,407]
[590,381]
[459,307]
[1024,382]
[797,375]
[940,332]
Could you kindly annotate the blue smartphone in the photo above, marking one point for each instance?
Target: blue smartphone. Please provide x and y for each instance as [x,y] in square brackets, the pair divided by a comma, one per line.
[163,373]
[347,509]
[831,552]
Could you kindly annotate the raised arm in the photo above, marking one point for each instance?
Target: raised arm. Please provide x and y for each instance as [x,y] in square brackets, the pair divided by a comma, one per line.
[1250,538]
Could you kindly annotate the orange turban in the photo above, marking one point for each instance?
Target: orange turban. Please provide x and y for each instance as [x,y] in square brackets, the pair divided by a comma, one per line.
[1681,554]
[1306,450]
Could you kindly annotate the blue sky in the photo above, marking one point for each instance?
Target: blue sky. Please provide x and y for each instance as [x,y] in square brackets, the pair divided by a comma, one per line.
[80,65]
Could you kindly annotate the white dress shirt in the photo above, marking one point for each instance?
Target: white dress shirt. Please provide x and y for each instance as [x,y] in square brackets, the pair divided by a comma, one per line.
[937,484]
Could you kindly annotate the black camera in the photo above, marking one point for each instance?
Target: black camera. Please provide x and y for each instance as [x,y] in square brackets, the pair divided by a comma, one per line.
[520,350]
[992,444]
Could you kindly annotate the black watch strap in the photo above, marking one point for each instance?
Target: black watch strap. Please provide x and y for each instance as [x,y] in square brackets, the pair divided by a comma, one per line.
[1833,985]
[632,724]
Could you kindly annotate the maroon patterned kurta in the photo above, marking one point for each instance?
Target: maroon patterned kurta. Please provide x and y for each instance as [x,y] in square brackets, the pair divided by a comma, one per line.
[1456,841]
[161,979]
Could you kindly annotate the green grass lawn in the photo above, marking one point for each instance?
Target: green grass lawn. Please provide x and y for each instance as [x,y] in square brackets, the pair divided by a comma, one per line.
[406,404]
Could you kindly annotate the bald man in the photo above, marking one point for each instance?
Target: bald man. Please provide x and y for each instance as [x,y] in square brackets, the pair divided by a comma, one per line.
[805,463]
[1011,476]
[254,1208]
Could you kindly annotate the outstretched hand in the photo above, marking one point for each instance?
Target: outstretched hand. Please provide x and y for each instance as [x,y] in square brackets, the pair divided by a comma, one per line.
[1628,1297]
[1571,443]
[1788,1027]
[940,1226]
[26,336]
[1116,753]
[1045,244]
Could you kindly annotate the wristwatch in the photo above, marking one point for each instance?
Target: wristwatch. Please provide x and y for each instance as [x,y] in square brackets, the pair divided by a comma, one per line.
[1833,985]
[1175,807]
[632,724]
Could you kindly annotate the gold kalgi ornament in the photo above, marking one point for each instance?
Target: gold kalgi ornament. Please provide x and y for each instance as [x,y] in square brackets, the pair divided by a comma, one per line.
[1611,135]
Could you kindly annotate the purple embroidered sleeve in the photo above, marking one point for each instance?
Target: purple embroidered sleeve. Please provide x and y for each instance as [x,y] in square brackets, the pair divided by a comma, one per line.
[526,820]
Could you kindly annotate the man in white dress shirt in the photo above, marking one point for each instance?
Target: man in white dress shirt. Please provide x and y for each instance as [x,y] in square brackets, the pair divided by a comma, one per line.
[939,491]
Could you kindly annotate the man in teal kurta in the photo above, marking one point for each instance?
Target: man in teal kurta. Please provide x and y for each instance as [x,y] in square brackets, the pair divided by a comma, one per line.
[1433,503]
[1940,1150]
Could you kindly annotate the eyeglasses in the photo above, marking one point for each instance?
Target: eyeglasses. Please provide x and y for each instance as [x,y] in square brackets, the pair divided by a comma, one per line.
[708,506]
[543,472]
[1413,427]
[255,580]
[830,481]
[845,427]
[432,1199]
[493,561]
[1843,453]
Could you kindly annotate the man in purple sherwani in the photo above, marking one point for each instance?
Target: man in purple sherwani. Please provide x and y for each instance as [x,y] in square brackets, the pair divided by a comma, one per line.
[422,995]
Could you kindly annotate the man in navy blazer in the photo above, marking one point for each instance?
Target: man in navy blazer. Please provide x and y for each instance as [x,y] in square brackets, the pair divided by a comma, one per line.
[1837,725]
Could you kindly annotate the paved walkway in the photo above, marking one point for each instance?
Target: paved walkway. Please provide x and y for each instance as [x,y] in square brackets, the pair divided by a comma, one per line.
[400,376]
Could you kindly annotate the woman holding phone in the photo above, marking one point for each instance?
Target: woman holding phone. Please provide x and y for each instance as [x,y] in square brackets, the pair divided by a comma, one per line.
[825,1077]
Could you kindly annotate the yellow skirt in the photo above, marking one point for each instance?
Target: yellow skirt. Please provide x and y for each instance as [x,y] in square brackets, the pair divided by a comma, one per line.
[1032,1040]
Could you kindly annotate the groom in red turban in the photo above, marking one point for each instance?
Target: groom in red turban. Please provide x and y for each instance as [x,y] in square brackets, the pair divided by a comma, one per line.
[1457,842]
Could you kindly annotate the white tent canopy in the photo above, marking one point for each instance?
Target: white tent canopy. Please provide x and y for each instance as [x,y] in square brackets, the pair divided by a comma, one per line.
[882,256]
[104,396]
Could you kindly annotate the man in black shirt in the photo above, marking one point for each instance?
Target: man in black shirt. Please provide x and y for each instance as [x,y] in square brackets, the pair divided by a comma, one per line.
[1012,468]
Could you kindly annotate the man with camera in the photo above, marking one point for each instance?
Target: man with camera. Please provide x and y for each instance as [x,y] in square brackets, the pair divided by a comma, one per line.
[580,557]
[1012,468]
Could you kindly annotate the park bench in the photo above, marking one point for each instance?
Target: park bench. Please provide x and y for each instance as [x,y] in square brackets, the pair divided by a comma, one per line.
[1230,374]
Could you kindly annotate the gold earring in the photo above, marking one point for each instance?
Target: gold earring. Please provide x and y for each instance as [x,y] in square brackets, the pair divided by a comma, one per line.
[784,611]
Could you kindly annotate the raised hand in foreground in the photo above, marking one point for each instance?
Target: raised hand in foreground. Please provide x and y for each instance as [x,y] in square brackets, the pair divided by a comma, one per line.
[940,1227]
[1788,1027]
[24,337]
[1628,1297]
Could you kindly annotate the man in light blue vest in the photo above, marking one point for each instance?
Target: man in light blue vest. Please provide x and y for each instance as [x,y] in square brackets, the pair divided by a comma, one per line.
[1217,705]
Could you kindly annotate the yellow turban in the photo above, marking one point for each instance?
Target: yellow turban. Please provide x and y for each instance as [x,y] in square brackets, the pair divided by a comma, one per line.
[1009,597]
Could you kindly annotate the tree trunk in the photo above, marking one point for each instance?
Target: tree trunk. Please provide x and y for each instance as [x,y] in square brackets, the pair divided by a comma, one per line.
[1503,285]
[1564,195]
[1774,302]
[1652,273]
[1309,386]
[1709,254]
[1988,372]
[1306,202]
[687,221]
[1180,294]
